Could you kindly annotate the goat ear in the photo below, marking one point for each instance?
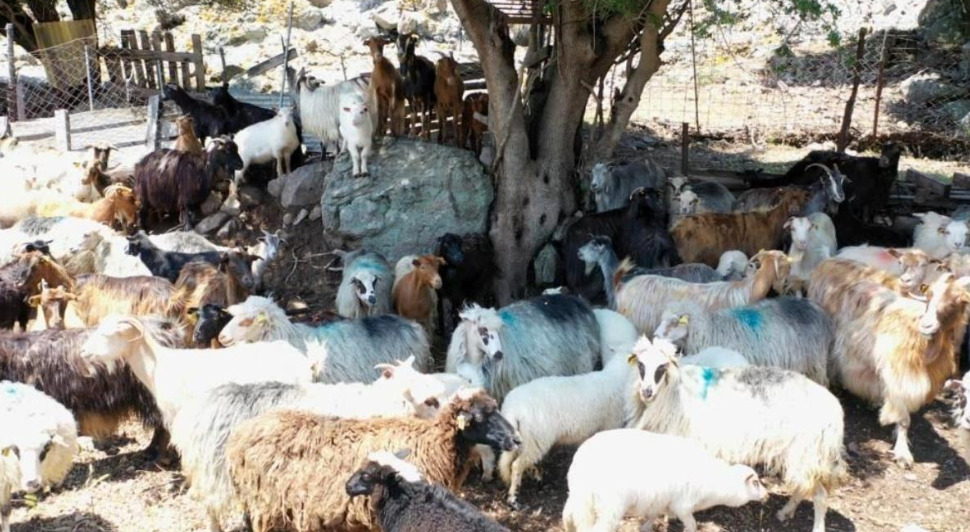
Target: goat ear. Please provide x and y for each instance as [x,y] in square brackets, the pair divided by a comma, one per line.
[788,223]
[631,359]
[894,252]
[34,301]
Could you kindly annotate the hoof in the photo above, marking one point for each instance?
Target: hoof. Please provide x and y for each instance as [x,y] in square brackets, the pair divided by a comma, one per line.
[905,462]
[514,505]
[783,516]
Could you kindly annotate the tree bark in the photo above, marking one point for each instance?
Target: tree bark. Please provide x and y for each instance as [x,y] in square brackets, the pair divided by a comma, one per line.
[12,12]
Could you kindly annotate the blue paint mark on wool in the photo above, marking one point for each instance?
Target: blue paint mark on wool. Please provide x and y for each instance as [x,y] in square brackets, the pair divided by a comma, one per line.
[750,317]
[10,388]
[508,319]
[710,376]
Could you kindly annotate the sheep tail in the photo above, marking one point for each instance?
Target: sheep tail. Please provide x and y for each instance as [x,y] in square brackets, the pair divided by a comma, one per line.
[621,271]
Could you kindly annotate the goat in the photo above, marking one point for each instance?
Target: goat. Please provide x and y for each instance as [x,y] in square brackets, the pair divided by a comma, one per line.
[50,305]
[449,89]
[171,181]
[211,318]
[187,141]
[118,204]
[813,240]
[266,250]
[319,106]
[826,193]
[612,183]
[21,279]
[418,74]
[226,284]
[167,264]
[207,119]
[357,131]
[415,296]
[388,88]
[99,296]
[467,273]
[474,120]
[273,139]
[715,195]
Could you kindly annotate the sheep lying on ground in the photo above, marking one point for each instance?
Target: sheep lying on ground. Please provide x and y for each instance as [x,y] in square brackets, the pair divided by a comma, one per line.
[404,502]
[750,415]
[37,444]
[631,473]
[306,491]
[342,351]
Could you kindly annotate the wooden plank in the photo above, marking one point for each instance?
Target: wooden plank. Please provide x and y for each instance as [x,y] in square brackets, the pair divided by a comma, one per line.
[271,63]
[128,54]
[961,180]
[5,127]
[173,68]
[926,183]
[145,44]
[128,39]
[62,129]
[113,64]
[61,50]
[21,101]
[199,62]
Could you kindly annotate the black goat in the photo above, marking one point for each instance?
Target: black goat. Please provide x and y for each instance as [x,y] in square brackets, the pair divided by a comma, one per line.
[20,279]
[404,502]
[467,275]
[242,115]
[167,264]
[639,231]
[173,181]
[419,77]
[209,120]
[851,231]
[211,319]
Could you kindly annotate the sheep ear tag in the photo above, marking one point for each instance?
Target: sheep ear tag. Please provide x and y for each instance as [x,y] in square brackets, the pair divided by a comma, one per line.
[684,320]
[632,359]
[261,318]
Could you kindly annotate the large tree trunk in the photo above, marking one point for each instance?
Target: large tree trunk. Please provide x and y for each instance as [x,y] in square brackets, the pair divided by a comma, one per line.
[83,9]
[12,12]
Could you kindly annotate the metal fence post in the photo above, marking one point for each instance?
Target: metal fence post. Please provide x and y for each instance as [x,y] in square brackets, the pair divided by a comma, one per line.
[87,70]
[62,129]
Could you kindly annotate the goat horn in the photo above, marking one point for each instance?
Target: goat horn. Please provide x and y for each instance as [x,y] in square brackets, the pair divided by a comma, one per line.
[823,167]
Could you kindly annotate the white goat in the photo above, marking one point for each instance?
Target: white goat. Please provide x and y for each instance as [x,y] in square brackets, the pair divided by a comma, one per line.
[750,415]
[267,249]
[273,139]
[319,106]
[356,130]
[38,441]
[812,241]
[173,376]
[631,473]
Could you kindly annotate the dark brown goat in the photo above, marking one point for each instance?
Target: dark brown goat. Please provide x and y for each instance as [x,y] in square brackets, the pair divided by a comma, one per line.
[474,120]
[229,283]
[418,74]
[21,279]
[170,181]
[448,89]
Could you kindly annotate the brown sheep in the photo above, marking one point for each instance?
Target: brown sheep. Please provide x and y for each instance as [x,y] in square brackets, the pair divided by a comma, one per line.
[448,90]
[388,86]
[415,296]
[187,141]
[289,468]
[705,237]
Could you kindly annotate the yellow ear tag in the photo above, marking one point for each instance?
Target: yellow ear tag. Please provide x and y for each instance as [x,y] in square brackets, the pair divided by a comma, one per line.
[261,318]
[790,260]
[632,359]
[684,320]
[5,452]
[923,288]
[462,422]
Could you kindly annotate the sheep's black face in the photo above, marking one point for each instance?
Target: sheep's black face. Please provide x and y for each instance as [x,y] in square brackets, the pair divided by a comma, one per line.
[364,480]
[449,247]
[485,425]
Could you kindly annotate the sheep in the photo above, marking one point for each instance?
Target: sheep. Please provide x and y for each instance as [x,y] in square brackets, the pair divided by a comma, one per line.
[637,231]
[200,282]
[751,415]
[474,119]
[911,266]
[612,183]
[704,237]
[897,352]
[187,141]
[630,473]
[830,285]
[387,86]
[714,196]
[265,251]
[467,274]
[100,400]
[357,131]
[365,286]
[319,106]
[940,236]
[211,318]
[172,181]
[50,304]
[118,204]
[273,139]
[813,240]
[306,492]
[169,264]
[642,297]
[21,279]
[449,90]
[414,294]
[37,446]
[961,412]
[122,340]
[418,74]
[202,426]
[342,351]
[716,357]
[207,119]
[502,349]
[404,502]
[561,410]
[826,193]
[801,333]
[82,246]
[732,265]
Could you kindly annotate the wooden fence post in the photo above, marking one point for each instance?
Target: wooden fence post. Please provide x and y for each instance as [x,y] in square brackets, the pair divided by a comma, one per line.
[153,137]
[173,67]
[11,75]
[62,129]
[146,45]
[199,62]
[684,147]
[843,140]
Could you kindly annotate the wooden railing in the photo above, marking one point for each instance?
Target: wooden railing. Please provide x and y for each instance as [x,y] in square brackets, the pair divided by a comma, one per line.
[151,61]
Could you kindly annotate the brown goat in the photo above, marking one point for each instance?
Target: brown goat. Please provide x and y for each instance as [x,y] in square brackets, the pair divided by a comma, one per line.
[829,281]
[448,91]
[388,87]
[118,203]
[289,468]
[50,304]
[705,237]
[474,120]
[98,296]
[415,296]
[187,141]
[21,279]
[200,282]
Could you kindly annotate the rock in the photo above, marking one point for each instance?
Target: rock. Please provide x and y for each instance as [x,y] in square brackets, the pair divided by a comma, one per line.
[211,204]
[320,3]
[417,22]
[251,34]
[287,218]
[167,21]
[957,109]
[275,187]
[309,20]
[545,265]
[387,15]
[211,223]
[250,196]
[300,216]
[304,186]
[416,192]
[316,213]
[924,87]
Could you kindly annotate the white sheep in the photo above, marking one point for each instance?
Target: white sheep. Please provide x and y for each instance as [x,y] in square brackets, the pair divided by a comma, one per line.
[561,410]
[630,473]
[273,139]
[751,415]
[38,443]
[356,130]
[365,285]
[173,376]
[732,265]
[939,235]
[812,241]
[716,357]
[319,105]
[267,249]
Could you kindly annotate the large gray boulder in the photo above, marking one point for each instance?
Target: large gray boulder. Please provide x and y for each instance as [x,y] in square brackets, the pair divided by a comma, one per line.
[301,187]
[416,192]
